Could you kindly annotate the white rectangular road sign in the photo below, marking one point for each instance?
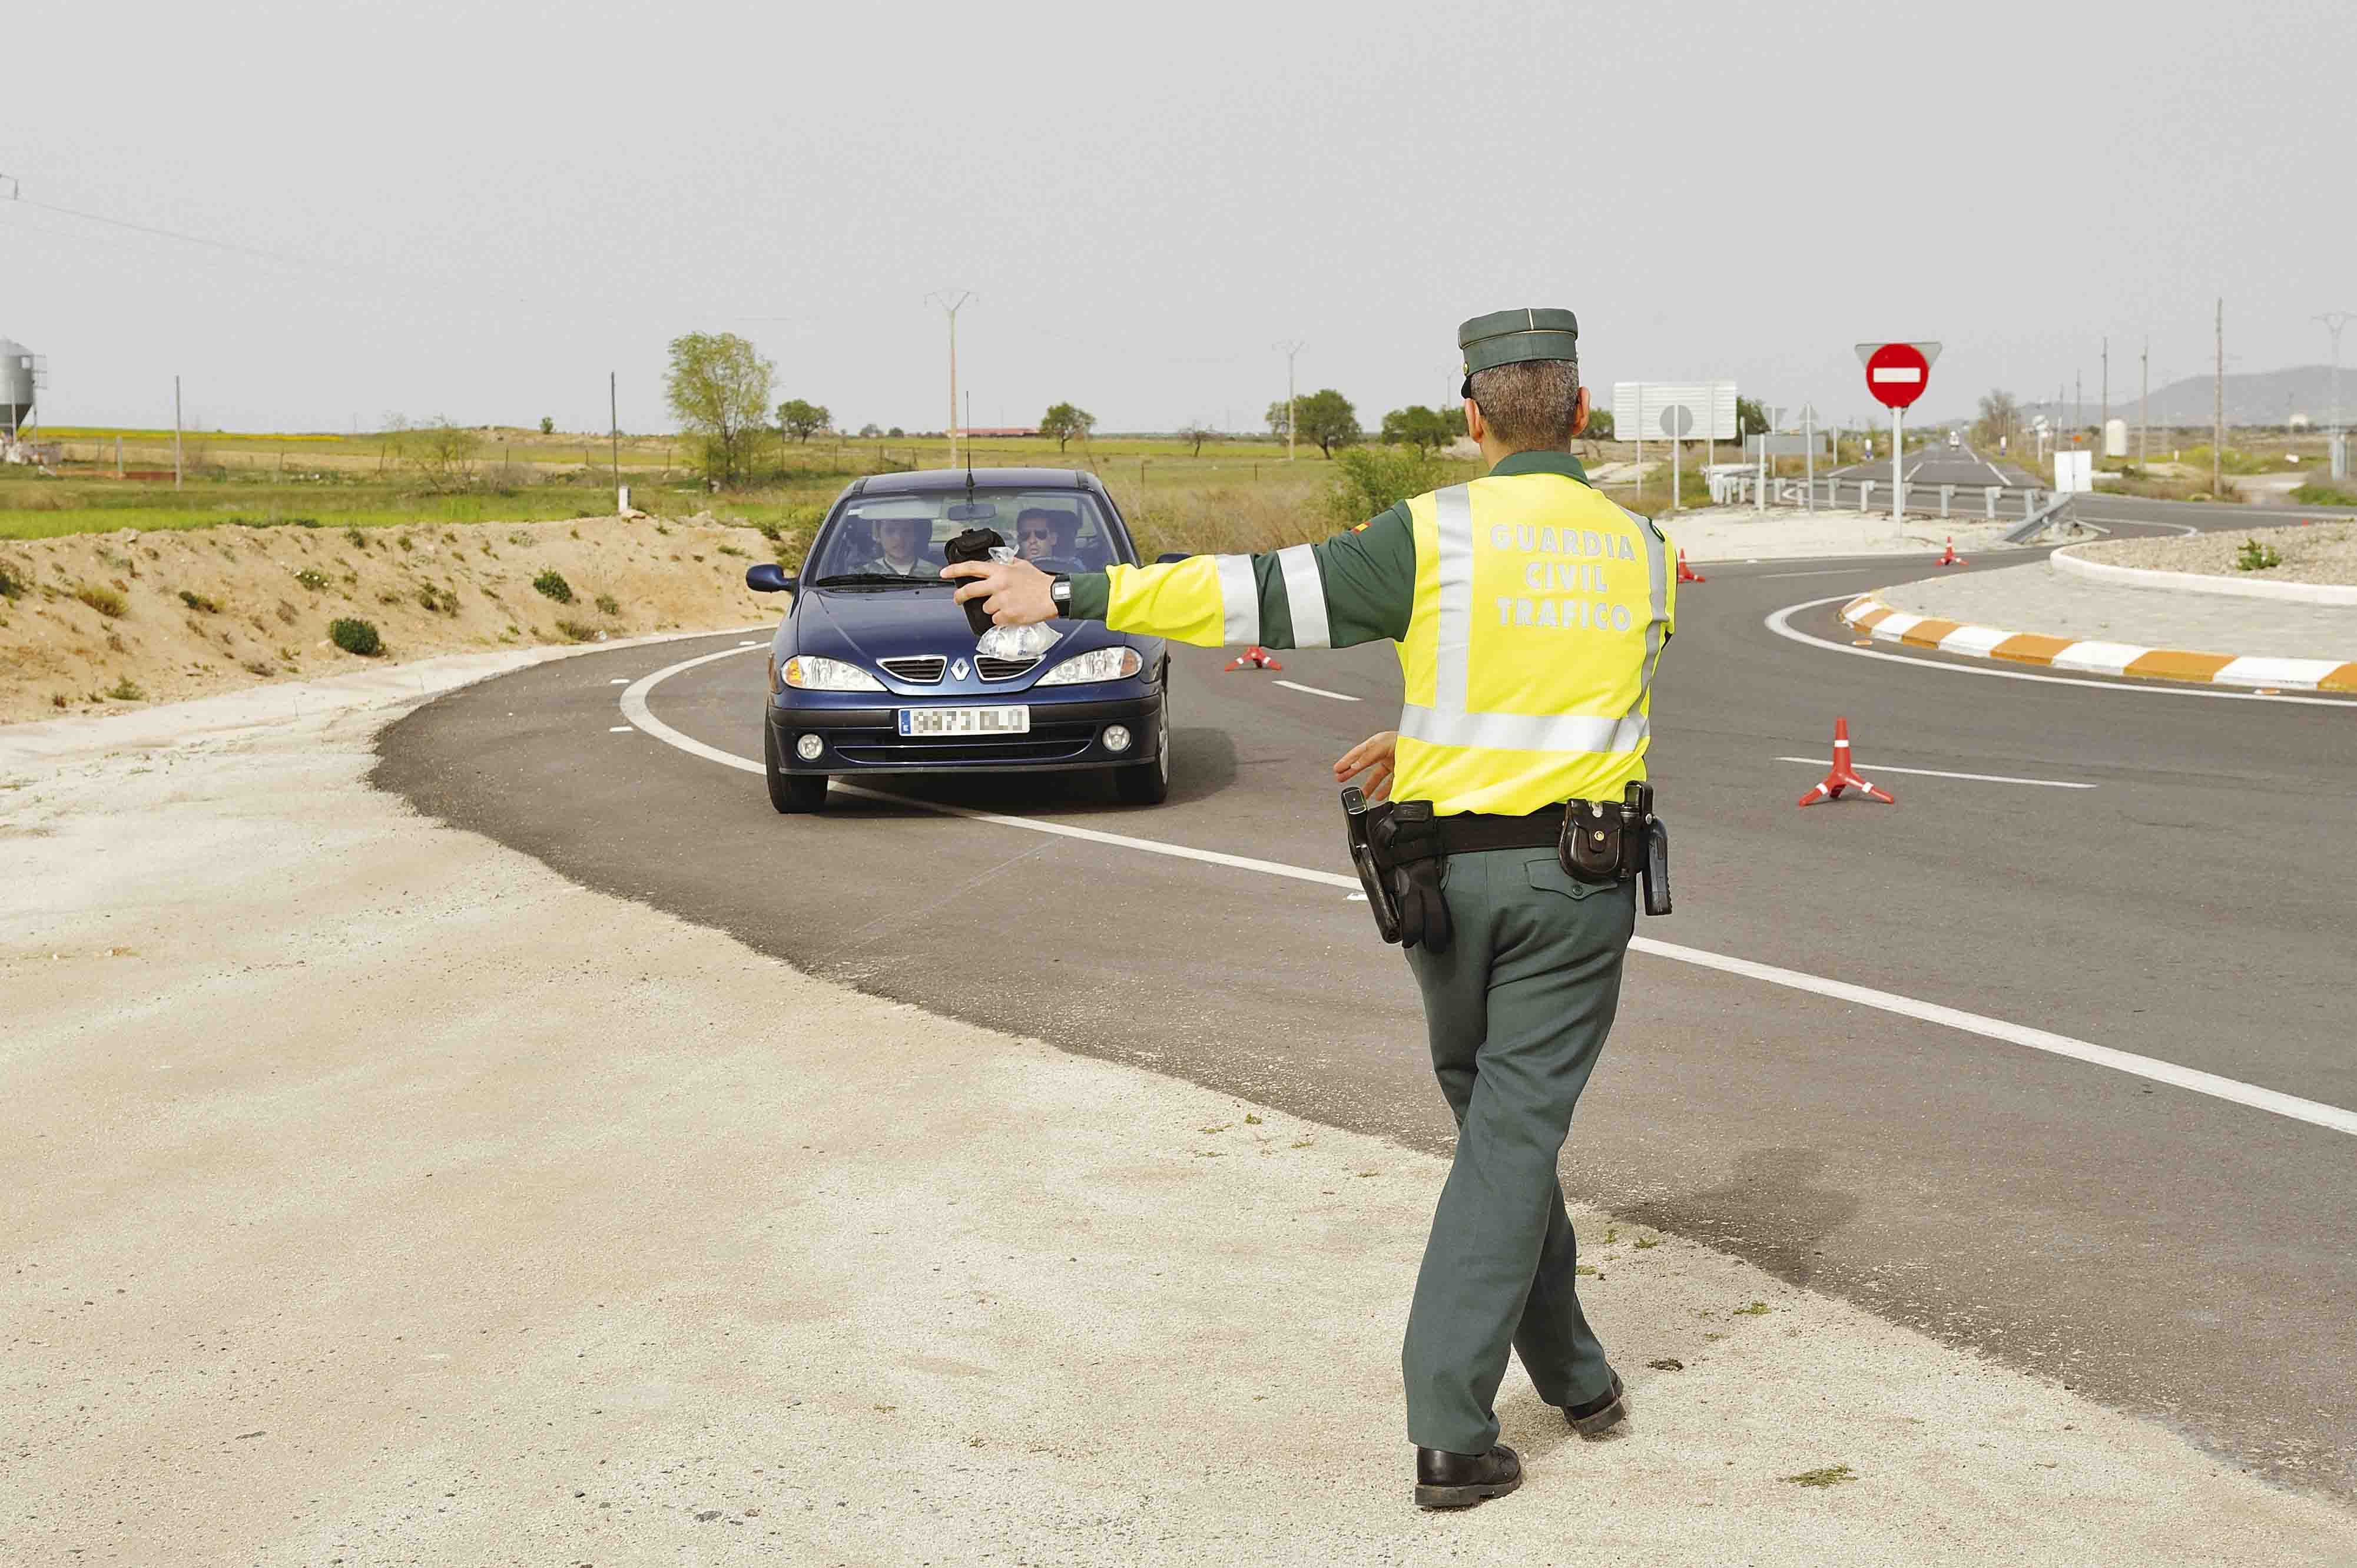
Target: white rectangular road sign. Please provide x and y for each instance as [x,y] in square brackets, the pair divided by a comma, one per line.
[1908,374]
[1639,409]
[2074,472]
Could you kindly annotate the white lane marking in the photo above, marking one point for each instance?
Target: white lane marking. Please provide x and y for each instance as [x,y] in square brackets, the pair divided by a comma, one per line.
[620,681]
[1317,690]
[634,708]
[2184,528]
[618,729]
[1935,773]
[748,645]
[1780,622]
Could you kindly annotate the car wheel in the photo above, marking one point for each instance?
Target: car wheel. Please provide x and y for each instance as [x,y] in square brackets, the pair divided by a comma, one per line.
[1148,783]
[791,793]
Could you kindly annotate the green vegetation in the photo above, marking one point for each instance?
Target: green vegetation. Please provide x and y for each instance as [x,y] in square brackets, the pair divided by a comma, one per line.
[718,387]
[2326,494]
[581,631]
[609,606]
[1422,427]
[312,578]
[2254,556]
[1828,1476]
[356,636]
[801,419]
[1063,421]
[199,602]
[105,601]
[1368,479]
[11,585]
[126,689]
[1325,417]
[551,583]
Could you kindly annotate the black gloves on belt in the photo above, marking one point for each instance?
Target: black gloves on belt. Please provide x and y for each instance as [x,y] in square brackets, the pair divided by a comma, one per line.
[1408,843]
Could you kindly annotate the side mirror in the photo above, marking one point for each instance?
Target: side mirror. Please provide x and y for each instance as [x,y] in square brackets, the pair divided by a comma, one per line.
[767,579]
[1167,556]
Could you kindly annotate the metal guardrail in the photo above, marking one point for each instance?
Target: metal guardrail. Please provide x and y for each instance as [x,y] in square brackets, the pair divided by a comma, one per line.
[1732,485]
[2038,522]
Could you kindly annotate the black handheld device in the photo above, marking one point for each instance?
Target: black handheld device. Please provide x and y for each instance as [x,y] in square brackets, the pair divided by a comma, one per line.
[974,545]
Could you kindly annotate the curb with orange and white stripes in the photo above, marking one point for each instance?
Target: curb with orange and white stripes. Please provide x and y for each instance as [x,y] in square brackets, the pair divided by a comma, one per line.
[1878,620]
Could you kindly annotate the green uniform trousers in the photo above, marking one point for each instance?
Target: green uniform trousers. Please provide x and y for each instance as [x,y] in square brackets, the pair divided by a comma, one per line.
[1517,1009]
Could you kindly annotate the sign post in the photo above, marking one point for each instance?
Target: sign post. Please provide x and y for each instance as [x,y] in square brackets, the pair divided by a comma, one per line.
[1895,374]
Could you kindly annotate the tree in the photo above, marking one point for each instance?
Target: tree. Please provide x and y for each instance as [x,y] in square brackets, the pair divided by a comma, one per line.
[2000,415]
[1750,419]
[443,452]
[800,419]
[868,431]
[1326,418]
[1280,418]
[719,388]
[547,425]
[1417,427]
[1599,425]
[1063,421]
[1196,434]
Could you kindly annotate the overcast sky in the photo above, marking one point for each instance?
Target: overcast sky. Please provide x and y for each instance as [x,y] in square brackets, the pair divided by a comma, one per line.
[479,210]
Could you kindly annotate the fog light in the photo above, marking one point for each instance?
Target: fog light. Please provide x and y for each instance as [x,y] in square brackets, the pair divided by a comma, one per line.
[808,747]
[1117,737]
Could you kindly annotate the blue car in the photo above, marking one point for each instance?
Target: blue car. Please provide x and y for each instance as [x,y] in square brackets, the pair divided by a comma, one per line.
[875,671]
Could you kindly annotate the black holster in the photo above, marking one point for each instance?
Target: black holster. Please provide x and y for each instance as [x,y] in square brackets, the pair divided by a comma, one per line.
[1397,852]
[1602,843]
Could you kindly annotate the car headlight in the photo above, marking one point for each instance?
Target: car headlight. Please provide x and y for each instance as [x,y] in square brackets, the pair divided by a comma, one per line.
[1097,665]
[808,672]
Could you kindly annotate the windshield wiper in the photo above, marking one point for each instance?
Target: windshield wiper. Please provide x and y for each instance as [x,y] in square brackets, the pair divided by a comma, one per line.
[878,579]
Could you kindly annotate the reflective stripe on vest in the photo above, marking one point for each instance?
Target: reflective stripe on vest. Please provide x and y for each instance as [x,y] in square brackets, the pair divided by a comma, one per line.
[1540,678]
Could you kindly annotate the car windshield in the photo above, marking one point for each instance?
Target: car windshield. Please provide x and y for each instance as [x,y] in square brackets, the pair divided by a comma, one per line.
[885,540]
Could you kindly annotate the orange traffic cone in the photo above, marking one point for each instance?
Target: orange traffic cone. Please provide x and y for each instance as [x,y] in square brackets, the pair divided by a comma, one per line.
[1950,558]
[1256,657]
[1687,574]
[1843,776]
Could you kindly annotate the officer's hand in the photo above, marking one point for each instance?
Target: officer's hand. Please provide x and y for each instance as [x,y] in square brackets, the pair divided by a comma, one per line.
[1014,592]
[1373,756]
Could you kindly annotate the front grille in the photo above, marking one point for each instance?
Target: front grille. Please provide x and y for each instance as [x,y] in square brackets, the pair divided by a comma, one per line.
[1052,742]
[922,671]
[990,669]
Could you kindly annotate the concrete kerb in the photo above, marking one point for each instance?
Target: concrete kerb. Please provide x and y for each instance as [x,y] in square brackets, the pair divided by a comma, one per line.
[1869,614]
[2071,563]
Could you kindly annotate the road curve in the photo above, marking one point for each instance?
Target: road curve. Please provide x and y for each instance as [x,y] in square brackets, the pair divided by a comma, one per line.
[2167,1249]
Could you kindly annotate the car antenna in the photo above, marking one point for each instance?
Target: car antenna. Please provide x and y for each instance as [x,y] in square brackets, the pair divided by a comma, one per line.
[968,474]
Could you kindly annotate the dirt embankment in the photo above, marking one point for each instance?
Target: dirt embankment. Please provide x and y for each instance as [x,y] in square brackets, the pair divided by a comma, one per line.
[2313,553]
[108,620]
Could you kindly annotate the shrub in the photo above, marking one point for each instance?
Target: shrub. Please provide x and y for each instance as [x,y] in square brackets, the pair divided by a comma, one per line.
[105,601]
[1369,479]
[11,587]
[126,689]
[2316,495]
[360,539]
[581,631]
[356,636]
[312,578]
[607,604]
[730,549]
[445,602]
[552,585]
[260,667]
[2254,556]
[405,542]
[304,522]
[199,602]
[767,531]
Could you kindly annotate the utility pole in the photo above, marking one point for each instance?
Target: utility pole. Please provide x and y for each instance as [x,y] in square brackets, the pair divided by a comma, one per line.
[1291,351]
[2334,320]
[2218,400]
[2105,442]
[2143,408]
[176,433]
[614,429]
[953,301]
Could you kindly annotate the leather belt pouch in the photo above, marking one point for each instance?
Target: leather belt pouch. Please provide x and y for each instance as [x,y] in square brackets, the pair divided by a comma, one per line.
[1589,847]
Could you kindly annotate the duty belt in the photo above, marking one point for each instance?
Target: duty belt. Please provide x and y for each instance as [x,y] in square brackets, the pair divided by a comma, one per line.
[1397,846]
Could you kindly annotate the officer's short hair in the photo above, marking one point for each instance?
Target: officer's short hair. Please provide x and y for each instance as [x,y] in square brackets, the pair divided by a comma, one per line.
[1530,404]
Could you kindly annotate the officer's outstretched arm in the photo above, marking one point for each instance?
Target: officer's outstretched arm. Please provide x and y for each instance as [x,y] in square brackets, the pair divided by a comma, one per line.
[1355,588]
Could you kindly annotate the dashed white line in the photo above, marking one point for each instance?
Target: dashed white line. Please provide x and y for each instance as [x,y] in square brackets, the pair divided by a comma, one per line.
[1936,773]
[620,729]
[1317,690]
[2273,1101]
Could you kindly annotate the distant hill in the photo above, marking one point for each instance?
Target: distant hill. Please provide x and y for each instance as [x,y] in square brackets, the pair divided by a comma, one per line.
[2261,397]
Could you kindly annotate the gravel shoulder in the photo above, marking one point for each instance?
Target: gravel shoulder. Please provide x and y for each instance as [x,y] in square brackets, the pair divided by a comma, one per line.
[376,1195]
[2312,552]
[2036,597]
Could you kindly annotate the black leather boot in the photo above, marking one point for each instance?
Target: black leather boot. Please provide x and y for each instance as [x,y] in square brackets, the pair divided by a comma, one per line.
[1600,1416]
[1445,1480]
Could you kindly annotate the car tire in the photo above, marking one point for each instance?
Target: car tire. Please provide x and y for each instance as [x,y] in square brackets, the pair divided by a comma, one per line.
[793,794]
[1148,783]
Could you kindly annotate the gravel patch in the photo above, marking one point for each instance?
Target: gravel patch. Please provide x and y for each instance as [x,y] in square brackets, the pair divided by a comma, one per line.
[2312,552]
[2036,597]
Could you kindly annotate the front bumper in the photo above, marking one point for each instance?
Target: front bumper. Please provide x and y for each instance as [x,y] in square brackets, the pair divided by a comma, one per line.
[1063,735]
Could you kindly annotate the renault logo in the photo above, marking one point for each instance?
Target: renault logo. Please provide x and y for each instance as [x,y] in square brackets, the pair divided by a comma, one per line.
[960,670]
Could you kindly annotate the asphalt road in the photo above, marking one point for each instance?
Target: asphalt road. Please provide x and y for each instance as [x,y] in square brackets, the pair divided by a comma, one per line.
[2167,1250]
[1935,465]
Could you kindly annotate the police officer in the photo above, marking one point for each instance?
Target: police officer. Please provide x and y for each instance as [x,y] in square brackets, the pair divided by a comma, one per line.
[1530,614]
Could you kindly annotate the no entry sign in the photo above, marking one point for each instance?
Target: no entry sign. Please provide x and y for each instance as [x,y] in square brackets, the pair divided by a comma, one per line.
[1897,373]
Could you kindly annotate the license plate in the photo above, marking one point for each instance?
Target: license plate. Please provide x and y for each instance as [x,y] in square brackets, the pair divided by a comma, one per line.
[966,721]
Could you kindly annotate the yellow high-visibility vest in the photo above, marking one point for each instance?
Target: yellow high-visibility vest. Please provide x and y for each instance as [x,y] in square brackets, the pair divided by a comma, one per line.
[1541,611]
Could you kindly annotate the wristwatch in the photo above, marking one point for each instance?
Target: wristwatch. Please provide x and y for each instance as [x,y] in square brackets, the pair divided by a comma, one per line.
[1060,593]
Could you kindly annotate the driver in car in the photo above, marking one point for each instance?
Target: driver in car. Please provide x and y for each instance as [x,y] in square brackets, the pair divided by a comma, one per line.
[902,541]
[1040,533]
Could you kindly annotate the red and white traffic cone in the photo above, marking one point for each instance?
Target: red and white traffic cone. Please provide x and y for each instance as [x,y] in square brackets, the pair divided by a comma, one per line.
[1687,574]
[1255,657]
[1950,558]
[1843,776]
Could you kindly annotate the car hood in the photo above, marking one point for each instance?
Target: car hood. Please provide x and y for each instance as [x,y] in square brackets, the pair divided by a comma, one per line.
[866,626]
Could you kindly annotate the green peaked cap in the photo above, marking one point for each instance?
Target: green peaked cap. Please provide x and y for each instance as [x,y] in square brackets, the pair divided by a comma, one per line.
[1512,337]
